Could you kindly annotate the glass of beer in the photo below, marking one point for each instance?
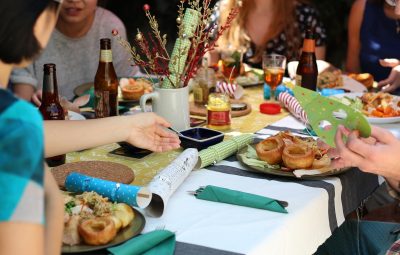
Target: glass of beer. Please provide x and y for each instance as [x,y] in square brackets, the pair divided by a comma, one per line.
[274,68]
[231,63]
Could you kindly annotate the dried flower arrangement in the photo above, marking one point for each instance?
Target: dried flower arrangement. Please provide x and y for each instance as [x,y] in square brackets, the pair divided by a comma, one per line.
[196,37]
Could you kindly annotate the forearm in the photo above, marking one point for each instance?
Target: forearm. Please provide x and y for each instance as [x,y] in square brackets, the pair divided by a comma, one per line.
[24,91]
[320,52]
[54,216]
[67,136]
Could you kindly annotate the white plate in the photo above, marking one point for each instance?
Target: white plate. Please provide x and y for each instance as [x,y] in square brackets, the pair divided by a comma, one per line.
[75,116]
[372,120]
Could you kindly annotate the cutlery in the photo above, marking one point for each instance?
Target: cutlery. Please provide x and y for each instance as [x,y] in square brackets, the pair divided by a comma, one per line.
[304,131]
[175,131]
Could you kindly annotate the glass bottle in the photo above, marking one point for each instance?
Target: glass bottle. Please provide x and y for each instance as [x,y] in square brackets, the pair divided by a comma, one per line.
[307,70]
[218,112]
[106,83]
[205,79]
[51,108]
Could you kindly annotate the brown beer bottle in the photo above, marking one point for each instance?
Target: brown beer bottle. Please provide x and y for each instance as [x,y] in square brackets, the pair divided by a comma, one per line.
[51,108]
[307,70]
[106,83]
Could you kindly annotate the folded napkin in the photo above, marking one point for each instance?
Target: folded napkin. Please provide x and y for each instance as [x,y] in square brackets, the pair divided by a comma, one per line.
[222,150]
[116,192]
[234,197]
[153,243]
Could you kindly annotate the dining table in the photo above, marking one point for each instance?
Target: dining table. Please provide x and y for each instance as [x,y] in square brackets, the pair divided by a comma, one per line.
[316,205]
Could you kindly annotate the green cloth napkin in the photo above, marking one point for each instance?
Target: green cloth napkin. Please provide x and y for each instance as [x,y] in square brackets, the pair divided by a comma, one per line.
[222,150]
[234,197]
[153,243]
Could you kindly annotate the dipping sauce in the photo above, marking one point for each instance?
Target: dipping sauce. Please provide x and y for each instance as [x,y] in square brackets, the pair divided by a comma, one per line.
[218,112]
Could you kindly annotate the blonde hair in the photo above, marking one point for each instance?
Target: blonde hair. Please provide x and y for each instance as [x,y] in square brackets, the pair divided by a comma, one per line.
[283,21]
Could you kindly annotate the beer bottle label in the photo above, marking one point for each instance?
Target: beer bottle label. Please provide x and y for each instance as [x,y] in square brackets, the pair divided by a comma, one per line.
[198,94]
[106,56]
[298,80]
[102,104]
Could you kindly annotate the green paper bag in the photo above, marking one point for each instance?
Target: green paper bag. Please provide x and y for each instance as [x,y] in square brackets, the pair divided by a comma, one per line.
[234,197]
[152,243]
[325,115]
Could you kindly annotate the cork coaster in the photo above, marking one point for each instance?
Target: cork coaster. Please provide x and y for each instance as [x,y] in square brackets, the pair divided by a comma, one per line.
[202,110]
[99,169]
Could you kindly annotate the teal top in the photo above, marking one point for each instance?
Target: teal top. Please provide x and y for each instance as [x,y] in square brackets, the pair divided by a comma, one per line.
[21,161]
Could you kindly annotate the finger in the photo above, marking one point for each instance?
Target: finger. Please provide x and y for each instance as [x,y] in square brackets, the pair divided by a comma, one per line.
[349,156]
[355,144]
[382,135]
[390,79]
[36,100]
[339,163]
[390,88]
[389,62]
[161,121]
[164,133]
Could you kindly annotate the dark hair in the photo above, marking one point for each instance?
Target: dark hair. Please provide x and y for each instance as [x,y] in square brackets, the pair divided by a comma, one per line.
[17,20]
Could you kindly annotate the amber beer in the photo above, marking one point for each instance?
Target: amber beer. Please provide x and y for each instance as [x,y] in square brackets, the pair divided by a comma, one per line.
[273,76]
[307,70]
[106,83]
[51,108]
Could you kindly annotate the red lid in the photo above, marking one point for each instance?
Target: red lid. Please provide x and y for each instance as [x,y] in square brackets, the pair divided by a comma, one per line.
[270,108]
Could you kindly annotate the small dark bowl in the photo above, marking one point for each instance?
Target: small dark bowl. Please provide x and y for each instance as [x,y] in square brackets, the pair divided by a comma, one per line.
[200,138]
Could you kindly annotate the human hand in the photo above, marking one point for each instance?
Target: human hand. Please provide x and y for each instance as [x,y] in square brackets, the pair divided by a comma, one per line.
[392,82]
[377,154]
[147,132]
[37,97]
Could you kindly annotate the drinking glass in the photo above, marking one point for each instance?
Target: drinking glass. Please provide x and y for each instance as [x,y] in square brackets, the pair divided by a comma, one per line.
[231,63]
[274,68]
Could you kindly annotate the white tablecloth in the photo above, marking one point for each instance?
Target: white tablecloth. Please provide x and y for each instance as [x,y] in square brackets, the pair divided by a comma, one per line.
[316,208]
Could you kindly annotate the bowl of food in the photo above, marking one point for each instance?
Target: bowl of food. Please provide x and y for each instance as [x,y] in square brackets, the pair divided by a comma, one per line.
[133,89]
[200,138]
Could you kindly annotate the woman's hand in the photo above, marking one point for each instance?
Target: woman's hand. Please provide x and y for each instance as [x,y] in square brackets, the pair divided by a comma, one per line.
[148,132]
[378,154]
[392,82]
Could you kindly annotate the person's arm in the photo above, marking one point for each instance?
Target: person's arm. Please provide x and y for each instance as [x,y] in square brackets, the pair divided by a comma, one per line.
[24,82]
[320,52]
[379,156]
[354,27]
[392,82]
[145,130]
[24,91]
[18,238]
[54,210]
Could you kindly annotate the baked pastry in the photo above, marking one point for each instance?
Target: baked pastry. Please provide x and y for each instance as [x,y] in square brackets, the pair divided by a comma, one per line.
[298,156]
[365,78]
[132,91]
[270,150]
[124,213]
[97,231]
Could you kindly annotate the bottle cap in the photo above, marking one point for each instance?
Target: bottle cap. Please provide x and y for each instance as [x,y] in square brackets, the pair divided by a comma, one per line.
[270,108]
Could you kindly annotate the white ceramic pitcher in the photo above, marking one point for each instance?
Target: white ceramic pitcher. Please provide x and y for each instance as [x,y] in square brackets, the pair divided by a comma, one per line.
[171,104]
